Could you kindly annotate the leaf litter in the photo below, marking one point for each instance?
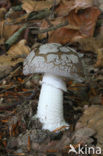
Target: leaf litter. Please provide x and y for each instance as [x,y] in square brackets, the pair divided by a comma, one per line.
[24,26]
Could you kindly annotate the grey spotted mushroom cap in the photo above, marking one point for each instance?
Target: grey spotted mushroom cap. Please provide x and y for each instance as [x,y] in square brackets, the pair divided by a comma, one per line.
[55,59]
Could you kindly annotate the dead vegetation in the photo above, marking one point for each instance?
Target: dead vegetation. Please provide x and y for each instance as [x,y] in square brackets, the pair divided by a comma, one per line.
[25,25]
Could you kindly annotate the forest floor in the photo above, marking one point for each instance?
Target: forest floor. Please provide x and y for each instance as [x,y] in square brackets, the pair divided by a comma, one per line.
[24,27]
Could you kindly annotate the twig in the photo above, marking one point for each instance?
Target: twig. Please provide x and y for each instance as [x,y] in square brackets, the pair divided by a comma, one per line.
[51,28]
[15,36]
[38,15]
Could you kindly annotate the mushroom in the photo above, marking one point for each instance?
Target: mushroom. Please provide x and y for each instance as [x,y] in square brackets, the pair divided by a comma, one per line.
[56,62]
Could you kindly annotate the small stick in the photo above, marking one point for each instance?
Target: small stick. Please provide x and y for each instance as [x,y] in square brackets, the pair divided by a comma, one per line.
[15,36]
[51,28]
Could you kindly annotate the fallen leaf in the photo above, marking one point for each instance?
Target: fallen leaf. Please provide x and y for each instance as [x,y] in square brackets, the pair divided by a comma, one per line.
[85,20]
[95,45]
[93,118]
[5,65]
[60,20]
[31,5]
[4,27]
[19,50]
[83,135]
[16,54]
[65,7]
[64,35]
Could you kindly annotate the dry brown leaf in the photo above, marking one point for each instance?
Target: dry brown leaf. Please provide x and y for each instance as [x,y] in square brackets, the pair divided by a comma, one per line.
[85,20]
[19,50]
[45,25]
[16,54]
[28,6]
[94,45]
[5,65]
[66,6]
[31,5]
[4,60]
[93,118]
[60,20]
[7,30]
[64,35]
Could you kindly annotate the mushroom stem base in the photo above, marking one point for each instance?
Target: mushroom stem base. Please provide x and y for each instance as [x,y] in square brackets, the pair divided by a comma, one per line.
[50,106]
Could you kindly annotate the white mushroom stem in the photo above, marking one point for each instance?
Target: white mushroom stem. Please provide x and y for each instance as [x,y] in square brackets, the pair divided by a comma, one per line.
[50,106]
